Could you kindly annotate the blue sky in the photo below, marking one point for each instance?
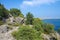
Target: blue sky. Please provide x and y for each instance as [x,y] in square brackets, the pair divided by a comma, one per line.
[45,9]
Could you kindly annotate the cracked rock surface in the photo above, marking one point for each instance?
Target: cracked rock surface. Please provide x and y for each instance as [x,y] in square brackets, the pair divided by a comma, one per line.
[7,35]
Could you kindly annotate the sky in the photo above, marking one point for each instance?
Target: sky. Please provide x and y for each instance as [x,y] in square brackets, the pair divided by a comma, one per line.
[44,9]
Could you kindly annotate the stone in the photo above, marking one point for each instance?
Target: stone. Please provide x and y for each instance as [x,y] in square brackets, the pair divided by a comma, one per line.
[51,36]
[3,28]
[19,20]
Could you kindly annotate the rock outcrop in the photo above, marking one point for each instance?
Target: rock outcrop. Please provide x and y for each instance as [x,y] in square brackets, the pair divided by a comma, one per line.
[51,36]
[6,35]
[3,28]
[19,20]
[15,20]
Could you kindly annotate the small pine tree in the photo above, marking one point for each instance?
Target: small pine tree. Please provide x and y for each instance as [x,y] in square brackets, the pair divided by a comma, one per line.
[30,19]
[3,12]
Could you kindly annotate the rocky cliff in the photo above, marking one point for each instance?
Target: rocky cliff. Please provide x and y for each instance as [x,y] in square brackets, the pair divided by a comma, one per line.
[5,32]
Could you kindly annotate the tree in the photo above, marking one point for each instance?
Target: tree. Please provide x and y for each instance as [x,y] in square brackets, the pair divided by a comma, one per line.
[16,12]
[3,12]
[29,18]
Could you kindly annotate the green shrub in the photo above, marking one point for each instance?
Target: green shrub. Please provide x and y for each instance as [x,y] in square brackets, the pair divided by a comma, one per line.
[14,34]
[48,28]
[37,21]
[38,24]
[16,12]
[10,27]
[38,28]
[26,33]
[14,24]
[21,15]
[58,30]
[1,22]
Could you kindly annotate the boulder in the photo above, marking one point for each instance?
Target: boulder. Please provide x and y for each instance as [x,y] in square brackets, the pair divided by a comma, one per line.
[3,28]
[19,20]
[51,36]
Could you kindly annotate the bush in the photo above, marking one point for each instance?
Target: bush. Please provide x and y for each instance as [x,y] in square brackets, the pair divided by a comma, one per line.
[37,24]
[38,28]
[14,24]
[1,22]
[14,34]
[37,21]
[10,27]
[26,33]
[16,12]
[48,28]
[58,30]
[21,15]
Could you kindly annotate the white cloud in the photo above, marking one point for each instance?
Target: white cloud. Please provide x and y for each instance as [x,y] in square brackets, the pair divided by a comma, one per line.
[38,2]
[27,3]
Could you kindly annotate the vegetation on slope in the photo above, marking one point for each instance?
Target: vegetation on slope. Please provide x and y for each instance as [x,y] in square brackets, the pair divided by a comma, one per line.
[27,32]
[29,18]
[16,12]
[3,12]
[33,32]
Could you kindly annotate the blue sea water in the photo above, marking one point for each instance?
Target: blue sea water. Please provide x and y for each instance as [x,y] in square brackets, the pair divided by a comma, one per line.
[55,22]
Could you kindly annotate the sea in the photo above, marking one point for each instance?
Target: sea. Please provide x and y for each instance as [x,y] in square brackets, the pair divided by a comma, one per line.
[55,22]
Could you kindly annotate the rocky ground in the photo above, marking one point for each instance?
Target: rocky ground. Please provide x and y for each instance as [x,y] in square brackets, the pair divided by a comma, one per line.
[5,32]
[7,35]
[51,36]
